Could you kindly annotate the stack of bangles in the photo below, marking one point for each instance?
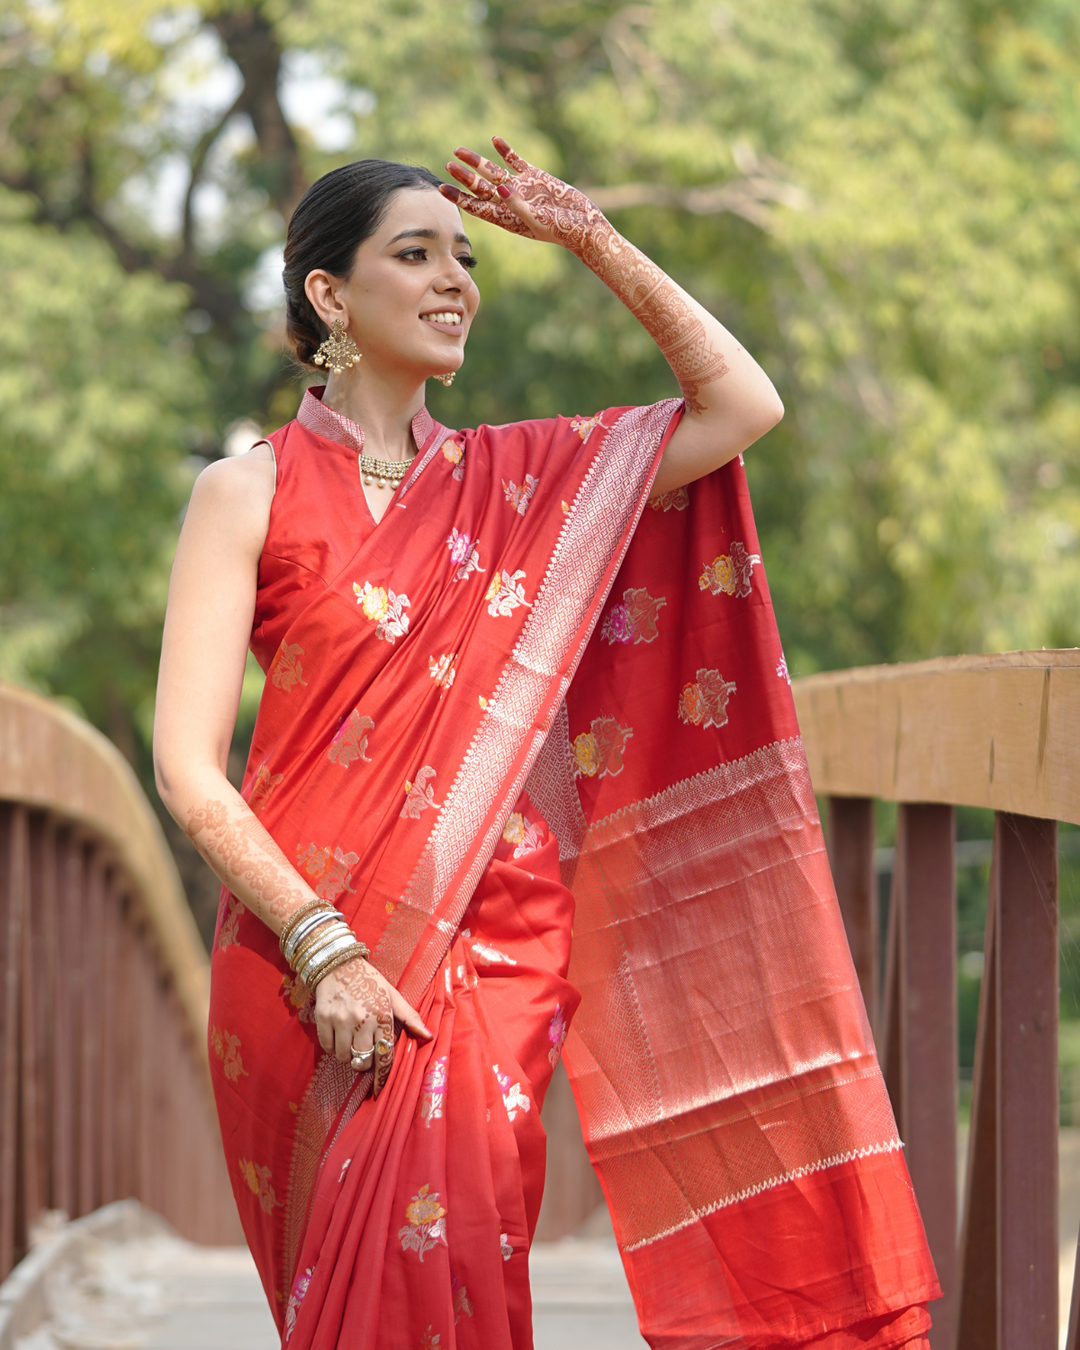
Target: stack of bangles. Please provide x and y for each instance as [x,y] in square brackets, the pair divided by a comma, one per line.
[316,940]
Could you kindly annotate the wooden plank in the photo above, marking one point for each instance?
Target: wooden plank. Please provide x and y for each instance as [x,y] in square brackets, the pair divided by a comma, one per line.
[977,1297]
[930,1074]
[1026,859]
[14,887]
[54,760]
[990,731]
[851,856]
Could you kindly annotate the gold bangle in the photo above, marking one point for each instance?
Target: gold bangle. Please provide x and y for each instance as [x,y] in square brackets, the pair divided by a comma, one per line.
[311,967]
[339,959]
[298,914]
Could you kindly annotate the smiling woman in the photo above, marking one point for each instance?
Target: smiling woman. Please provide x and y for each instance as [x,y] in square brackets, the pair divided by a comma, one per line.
[475,640]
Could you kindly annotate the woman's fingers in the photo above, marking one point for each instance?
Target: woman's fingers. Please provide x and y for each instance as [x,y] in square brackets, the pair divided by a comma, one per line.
[473,181]
[384,1048]
[511,157]
[493,173]
[495,212]
[407,1015]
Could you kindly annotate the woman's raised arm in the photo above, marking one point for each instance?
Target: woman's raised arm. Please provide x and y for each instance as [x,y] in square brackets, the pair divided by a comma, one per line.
[207,629]
[730,401]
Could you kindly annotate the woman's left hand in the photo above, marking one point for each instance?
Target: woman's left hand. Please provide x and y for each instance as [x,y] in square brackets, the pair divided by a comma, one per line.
[526,200]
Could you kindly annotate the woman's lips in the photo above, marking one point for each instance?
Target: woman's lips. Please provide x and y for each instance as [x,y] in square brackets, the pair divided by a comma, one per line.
[452,328]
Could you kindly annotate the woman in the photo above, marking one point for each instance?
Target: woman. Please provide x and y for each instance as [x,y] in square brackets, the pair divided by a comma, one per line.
[484,651]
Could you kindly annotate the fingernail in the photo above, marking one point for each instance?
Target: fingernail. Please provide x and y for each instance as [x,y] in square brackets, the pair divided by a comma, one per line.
[504,191]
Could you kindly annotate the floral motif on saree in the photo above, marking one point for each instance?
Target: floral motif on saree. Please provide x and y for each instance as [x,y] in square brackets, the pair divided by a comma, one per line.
[227,1048]
[287,670]
[703,702]
[351,741]
[426,1226]
[730,573]
[599,751]
[634,619]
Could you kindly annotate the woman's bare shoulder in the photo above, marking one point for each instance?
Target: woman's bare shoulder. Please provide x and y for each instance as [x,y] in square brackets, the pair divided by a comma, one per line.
[236,494]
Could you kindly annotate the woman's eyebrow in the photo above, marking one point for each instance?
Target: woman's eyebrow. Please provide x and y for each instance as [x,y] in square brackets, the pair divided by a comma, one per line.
[419,233]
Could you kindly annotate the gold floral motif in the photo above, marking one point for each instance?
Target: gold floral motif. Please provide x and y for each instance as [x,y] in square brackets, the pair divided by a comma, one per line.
[441,669]
[678,499]
[433,1091]
[520,497]
[462,1305]
[286,670]
[426,1227]
[385,609]
[506,593]
[350,743]
[230,928]
[227,1048]
[431,1340]
[261,788]
[257,1180]
[419,796]
[781,669]
[300,997]
[731,573]
[585,426]
[454,451]
[599,750]
[557,1030]
[704,703]
[328,869]
[634,620]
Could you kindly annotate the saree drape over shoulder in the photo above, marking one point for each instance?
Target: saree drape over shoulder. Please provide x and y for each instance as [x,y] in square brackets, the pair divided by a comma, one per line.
[529,688]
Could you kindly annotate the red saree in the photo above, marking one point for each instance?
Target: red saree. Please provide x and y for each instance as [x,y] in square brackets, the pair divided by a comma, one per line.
[521,641]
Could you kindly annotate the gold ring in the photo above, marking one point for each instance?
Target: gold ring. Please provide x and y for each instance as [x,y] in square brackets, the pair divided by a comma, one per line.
[504,174]
[383,1048]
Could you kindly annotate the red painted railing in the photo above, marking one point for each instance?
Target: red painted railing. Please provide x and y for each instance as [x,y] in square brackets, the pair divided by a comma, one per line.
[104,1084]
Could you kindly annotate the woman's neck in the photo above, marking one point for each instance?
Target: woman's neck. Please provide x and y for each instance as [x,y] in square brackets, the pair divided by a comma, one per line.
[384,412]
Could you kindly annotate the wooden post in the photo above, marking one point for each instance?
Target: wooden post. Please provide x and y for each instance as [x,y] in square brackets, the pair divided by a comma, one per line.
[921,1059]
[1009,1247]
[851,856]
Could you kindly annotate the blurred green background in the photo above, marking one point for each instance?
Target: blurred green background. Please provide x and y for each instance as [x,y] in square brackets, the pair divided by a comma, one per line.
[880,197]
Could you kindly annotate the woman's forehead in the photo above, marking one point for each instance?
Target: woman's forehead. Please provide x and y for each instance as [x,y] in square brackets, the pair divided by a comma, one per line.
[422,212]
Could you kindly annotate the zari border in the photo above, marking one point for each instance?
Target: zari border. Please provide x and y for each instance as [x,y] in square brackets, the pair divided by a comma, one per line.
[894,1145]
[530,689]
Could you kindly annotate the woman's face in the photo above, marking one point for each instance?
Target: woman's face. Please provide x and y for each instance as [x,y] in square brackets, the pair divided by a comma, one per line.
[410,299]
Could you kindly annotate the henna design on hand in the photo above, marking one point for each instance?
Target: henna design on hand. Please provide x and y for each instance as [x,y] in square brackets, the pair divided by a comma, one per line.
[364,986]
[565,215]
[243,853]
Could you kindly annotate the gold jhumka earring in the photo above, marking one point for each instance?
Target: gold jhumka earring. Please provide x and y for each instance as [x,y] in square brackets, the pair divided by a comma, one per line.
[339,352]
[447,379]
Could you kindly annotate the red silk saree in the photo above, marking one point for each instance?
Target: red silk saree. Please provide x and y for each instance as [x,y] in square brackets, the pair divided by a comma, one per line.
[529,688]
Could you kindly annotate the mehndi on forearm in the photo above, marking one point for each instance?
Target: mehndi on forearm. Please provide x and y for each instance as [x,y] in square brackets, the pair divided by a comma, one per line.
[244,855]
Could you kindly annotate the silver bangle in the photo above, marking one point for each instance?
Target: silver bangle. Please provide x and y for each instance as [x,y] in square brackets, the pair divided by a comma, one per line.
[313,963]
[307,925]
[320,939]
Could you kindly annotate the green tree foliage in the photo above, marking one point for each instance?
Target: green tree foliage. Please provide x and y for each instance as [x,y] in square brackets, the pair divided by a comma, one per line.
[876,195]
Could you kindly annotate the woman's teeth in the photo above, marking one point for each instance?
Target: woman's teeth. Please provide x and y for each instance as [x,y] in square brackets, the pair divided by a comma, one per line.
[443,318]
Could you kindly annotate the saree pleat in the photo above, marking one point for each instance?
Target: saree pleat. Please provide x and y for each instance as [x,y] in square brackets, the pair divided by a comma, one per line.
[522,616]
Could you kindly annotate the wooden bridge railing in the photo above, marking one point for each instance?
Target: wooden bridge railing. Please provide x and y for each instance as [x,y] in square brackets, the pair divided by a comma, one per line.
[104,1082]
[1001,732]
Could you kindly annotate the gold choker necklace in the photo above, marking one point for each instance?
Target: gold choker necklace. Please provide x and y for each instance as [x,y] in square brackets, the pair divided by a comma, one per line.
[383,472]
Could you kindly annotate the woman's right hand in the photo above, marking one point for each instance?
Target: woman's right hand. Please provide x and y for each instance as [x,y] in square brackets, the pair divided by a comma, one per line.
[355,1008]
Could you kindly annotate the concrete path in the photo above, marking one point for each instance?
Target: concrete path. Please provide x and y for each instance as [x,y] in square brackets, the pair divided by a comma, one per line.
[161,1293]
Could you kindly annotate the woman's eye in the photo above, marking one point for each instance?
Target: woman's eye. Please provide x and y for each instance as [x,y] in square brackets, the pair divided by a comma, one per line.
[467,260]
[414,254]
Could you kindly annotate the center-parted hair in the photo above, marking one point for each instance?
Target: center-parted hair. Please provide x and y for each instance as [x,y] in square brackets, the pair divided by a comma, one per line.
[332,219]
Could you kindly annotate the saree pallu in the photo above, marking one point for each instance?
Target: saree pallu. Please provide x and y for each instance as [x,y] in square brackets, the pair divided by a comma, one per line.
[525,641]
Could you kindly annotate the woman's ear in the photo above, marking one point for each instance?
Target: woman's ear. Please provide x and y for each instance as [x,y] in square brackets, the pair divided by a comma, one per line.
[321,289]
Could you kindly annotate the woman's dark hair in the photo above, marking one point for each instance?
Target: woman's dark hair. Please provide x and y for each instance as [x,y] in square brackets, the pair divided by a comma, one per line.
[332,219]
